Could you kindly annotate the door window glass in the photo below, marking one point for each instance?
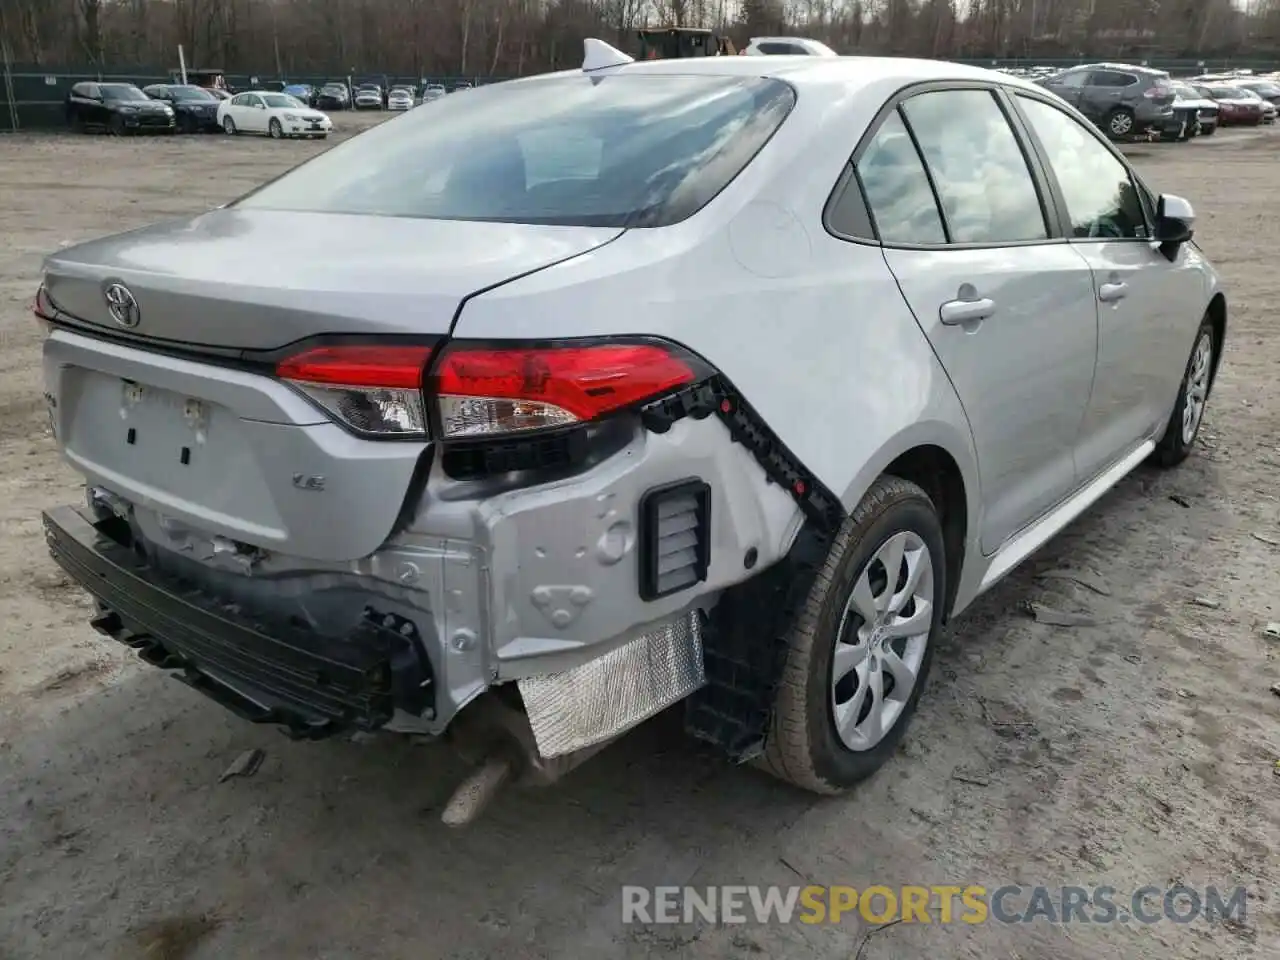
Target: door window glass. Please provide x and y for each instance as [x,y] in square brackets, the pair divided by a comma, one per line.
[1075,79]
[978,168]
[1102,202]
[897,188]
[1110,78]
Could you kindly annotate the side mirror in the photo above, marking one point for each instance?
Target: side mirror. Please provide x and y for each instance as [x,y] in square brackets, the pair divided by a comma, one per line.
[1175,221]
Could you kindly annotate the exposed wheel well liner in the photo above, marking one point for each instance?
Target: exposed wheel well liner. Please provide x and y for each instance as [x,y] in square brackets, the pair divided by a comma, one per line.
[1217,314]
[935,471]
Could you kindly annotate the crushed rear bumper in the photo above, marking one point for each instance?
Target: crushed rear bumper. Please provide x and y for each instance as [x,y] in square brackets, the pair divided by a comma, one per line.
[266,672]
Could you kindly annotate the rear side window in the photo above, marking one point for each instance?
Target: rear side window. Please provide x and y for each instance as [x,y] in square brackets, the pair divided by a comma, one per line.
[897,188]
[620,151]
[785,49]
[978,168]
[1111,78]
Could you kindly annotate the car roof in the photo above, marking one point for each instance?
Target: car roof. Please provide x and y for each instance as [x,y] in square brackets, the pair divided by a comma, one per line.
[802,70]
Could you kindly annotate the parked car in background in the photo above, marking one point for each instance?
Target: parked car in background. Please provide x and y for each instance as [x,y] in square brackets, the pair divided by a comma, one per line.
[368,96]
[462,85]
[277,115]
[195,109]
[1124,101]
[119,108]
[302,91]
[433,91]
[1269,90]
[479,479]
[401,98]
[1187,100]
[1235,107]
[787,46]
[1267,107]
[333,95]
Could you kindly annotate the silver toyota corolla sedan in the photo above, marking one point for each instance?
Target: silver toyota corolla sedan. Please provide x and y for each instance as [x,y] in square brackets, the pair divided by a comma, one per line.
[723,381]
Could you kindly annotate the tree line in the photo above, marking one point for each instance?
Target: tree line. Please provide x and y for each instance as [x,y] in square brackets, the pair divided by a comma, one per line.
[512,37]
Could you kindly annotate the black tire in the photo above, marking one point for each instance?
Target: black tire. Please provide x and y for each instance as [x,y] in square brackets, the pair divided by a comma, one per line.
[229,127]
[803,746]
[77,123]
[274,129]
[116,125]
[1176,443]
[1119,123]
[1209,131]
[187,124]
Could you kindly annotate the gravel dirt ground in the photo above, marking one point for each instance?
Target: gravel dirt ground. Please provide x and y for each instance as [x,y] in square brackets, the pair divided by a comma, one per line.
[1138,750]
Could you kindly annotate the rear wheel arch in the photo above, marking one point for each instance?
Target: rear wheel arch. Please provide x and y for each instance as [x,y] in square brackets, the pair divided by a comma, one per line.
[936,472]
[943,466]
[1217,316]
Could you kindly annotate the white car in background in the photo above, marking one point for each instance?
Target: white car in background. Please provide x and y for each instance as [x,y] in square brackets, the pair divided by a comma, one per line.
[278,115]
[787,47]
[400,98]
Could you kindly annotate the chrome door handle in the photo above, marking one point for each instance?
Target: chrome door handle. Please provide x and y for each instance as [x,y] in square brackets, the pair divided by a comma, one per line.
[965,311]
[1111,292]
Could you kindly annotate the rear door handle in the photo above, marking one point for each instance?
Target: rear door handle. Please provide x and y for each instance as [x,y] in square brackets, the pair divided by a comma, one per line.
[965,311]
[1111,292]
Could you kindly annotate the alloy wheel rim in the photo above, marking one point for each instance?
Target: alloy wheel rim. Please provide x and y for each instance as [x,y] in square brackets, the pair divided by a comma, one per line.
[881,641]
[1197,387]
[1121,123]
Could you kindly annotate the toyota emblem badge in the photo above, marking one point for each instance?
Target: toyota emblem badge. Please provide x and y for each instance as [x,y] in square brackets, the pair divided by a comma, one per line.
[121,305]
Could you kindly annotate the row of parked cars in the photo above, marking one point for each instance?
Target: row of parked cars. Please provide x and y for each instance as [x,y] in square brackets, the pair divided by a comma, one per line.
[371,94]
[123,108]
[296,110]
[1128,101]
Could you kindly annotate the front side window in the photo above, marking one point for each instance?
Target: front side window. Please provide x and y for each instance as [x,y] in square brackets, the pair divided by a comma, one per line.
[981,175]
[1102,202]
[1075,79]
[897,188]
[622,151]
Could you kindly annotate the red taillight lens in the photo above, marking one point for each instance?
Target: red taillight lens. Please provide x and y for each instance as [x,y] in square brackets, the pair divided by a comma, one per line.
[42,306]
[374,389]
[487,390]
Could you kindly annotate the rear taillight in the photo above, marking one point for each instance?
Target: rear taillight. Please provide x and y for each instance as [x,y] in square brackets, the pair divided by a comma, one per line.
[373,389]
[484,390]
[42,306]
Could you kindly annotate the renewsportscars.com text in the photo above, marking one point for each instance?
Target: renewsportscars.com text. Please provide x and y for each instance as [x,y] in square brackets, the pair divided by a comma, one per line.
[970,904]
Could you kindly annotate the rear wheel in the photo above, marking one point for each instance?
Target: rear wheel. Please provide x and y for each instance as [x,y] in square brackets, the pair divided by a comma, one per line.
[229,126]
[275,129]
[1119,123]
[1209,131]
[859,651]
[116,126]
[1188,411]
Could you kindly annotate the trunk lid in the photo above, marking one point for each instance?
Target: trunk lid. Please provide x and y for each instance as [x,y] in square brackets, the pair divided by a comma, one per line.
[260,279]
[222,451]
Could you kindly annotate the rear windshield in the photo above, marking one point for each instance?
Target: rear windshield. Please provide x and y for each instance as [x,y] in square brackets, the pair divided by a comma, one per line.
[613,151]
[1226,93]
[280,100]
